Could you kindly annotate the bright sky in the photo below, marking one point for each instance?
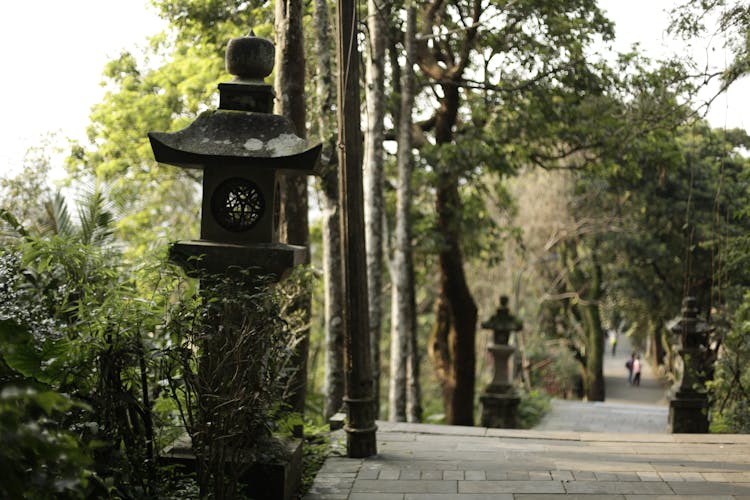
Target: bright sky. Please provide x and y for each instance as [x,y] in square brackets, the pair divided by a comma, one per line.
[53,53]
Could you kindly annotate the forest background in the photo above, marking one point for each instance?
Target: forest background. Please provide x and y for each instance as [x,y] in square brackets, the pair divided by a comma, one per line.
[507,150]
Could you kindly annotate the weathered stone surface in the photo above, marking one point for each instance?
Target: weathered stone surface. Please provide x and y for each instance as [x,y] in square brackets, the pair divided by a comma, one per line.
[200,257]
[250,57]
[616,487]
[228,137]
[510,487]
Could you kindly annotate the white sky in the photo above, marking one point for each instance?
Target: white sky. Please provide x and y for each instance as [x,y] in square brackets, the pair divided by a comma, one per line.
[53,53]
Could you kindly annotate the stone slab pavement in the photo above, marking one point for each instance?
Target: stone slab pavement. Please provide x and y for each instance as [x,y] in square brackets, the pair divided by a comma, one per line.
[613,450]
[435,462]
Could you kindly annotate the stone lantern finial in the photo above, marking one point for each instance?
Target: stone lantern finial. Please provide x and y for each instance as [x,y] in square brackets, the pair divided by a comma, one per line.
[250,58]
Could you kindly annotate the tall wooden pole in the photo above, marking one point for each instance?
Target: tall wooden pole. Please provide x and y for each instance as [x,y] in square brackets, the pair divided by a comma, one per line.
[360,428]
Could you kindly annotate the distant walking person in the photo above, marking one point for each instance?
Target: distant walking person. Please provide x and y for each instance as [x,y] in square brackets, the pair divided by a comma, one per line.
[613,341]
[637,370]
[629,366]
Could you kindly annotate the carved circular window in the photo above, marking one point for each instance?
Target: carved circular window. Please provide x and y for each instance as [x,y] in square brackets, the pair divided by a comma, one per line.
[237,204]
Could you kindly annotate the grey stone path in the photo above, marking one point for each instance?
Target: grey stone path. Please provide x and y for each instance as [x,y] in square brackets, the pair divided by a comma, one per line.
[582,450]
[627,409]
[426,462]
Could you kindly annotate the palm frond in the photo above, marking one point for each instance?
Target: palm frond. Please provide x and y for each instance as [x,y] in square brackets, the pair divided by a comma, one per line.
[95,216]
[59,221]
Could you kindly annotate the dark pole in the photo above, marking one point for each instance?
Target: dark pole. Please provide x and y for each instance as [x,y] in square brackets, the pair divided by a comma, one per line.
[360,428]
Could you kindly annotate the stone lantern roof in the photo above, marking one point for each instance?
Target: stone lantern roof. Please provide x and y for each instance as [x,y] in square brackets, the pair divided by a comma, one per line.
[688,325]
[243,131]
[233,137]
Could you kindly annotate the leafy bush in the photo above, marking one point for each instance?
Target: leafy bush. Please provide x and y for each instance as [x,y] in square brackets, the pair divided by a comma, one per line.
[730,389]
[533,406]
[39,457]
[75,324]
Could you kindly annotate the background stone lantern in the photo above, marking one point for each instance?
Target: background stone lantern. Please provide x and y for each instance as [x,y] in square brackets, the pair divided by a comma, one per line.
[499,399]
[242,149]
[688,406]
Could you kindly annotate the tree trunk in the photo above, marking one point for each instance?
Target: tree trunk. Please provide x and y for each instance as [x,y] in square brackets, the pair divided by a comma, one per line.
[584,278]
[373,182]
[334,359]
[452,342]
[657,341]
[404,397]
[290,102]
[595,352]
[402,309]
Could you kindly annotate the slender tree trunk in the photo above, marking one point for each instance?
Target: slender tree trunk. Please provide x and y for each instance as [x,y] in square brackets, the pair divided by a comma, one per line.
[404,316]
[452,342]
[657,333]
[595,354]
[408,86]
[334,370]
[373,181]
[290,102]
[334,364]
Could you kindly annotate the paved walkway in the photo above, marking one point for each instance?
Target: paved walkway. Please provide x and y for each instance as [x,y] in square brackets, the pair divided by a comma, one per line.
[433,462]
[582,450]
[627,409]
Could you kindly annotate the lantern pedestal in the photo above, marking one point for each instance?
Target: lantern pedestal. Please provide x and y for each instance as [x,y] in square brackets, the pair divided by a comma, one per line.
[500,411]
[688,414]
[275,480]
[200,257]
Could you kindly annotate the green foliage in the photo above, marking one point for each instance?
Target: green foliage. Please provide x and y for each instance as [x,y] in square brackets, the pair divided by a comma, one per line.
[142,348]
[689,21]
[229,367]
[75,325]
[730,389]
[316,449]
[40,457]
[532,408]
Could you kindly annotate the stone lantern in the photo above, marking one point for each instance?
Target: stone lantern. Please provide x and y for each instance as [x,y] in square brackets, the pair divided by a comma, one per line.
[688,406]
[499,399]
[242,149]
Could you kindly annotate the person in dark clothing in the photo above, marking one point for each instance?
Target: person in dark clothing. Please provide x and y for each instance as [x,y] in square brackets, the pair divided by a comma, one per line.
[629,366]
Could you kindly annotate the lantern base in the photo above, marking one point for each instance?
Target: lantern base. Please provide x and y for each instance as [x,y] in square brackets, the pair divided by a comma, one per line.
[688,416]
[200,258]
[500,410]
